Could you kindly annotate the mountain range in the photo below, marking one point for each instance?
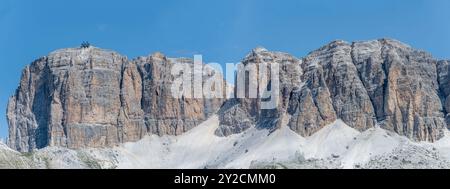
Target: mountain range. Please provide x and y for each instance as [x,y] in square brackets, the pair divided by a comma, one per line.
[368,104]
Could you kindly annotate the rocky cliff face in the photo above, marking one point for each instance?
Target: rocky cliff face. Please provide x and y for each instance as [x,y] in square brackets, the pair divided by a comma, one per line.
[380,82]
[90,97]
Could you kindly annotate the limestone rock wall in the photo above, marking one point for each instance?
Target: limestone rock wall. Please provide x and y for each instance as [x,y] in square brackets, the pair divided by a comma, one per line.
[89,97]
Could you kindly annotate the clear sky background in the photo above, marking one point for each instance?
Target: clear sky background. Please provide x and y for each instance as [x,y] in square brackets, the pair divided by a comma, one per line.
[221,30]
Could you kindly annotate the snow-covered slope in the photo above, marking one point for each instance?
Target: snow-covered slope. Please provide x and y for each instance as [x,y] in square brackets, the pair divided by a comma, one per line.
[330,141]
[335,146]
[10,159]
[200,148]
[444,145]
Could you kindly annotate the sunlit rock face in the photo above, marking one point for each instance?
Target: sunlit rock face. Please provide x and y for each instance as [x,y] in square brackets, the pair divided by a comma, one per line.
[90,97]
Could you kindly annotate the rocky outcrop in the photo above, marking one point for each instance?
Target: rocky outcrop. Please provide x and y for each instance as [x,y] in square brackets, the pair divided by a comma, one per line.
[241,112]
[163,114]
[348,94]
[444,83]
[89,97]
[310,104]
[382,82]
[402,84]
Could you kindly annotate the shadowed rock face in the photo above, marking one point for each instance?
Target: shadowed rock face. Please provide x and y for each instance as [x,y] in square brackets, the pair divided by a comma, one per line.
[363,83]
[91,97]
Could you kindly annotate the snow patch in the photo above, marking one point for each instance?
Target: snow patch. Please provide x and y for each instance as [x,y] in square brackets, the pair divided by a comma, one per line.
[332,140]
[371,143]
[443,145]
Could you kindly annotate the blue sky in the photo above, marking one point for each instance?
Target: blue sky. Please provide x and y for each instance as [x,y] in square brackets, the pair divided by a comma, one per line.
[223,31]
